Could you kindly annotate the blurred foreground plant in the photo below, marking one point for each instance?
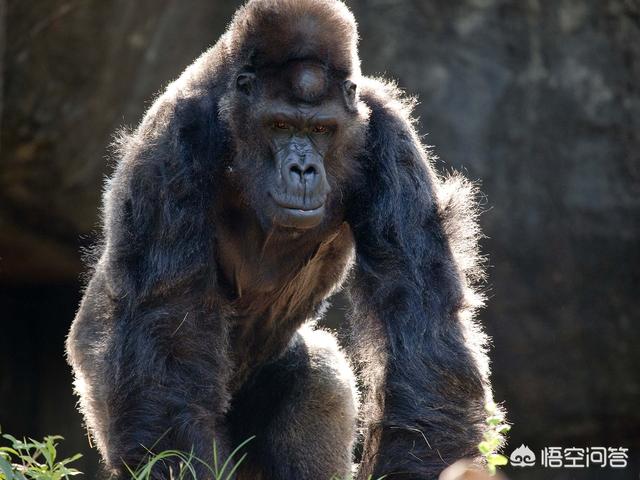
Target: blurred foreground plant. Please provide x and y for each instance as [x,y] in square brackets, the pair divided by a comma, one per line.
[494,438]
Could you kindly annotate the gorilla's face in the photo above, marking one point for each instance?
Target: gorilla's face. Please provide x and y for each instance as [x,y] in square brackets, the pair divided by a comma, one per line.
[302,123]
[300,140]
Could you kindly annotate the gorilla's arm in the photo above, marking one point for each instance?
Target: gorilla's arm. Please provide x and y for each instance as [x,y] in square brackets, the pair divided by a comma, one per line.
[151,307]
[422,356]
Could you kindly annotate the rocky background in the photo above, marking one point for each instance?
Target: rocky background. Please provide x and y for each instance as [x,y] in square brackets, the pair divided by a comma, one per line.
[538,100]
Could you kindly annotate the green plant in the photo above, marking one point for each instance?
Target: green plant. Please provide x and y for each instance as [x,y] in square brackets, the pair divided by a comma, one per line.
[186,463]
[29,459]
[494,438]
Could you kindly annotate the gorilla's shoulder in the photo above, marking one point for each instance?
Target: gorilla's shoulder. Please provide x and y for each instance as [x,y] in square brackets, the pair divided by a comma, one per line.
[386,99]
[189,102]
[391,110]
[182,122]
[391,120]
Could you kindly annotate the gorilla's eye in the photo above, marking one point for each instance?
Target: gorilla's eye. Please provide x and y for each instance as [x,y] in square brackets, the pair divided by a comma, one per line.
[280,125]
[320,129]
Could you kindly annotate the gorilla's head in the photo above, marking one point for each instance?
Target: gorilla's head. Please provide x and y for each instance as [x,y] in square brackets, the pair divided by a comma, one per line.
[295,121]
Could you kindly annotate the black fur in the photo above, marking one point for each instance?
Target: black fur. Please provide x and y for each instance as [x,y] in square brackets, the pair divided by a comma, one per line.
[192,329]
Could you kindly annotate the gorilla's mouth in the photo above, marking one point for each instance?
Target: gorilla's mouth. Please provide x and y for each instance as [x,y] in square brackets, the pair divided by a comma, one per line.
[291,202]
[297,212]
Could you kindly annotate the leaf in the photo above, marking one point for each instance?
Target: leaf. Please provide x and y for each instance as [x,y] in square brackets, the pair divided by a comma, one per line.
[232,454]
[50,446]
[497,459]
[6,469]
[494,420]
[69,460]
[484,448]
[504,428]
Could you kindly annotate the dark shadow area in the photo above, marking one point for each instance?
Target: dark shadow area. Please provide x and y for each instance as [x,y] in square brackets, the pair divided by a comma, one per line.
[35,380]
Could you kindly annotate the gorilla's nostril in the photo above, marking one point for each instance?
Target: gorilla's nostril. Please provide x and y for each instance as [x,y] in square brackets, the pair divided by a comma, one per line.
[295,169]
[310,171]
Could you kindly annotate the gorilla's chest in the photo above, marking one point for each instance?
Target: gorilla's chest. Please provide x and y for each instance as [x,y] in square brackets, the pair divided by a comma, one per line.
[267,313]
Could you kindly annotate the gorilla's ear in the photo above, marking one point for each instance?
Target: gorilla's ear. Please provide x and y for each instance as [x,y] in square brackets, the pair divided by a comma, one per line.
[349,91]
[245,82]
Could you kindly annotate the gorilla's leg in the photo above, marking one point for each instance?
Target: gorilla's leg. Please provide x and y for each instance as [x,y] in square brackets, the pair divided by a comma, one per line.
[302,411]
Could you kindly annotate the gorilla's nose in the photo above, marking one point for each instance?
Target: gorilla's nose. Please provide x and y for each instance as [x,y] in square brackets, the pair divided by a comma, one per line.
[302,173]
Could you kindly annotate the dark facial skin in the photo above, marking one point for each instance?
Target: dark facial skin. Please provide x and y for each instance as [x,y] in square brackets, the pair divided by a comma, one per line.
[300,138]
[299,115]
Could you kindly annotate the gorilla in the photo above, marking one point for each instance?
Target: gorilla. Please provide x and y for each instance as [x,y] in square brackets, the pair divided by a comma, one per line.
[269,174]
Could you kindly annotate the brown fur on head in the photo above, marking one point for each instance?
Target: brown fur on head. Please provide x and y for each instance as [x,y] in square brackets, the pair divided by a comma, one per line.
[273,32]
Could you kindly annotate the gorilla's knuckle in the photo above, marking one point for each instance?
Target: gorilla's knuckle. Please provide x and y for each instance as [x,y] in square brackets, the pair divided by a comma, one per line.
[332,375]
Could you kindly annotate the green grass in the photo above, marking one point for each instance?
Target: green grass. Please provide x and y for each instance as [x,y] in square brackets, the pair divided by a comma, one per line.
[188,461]
[29,459]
